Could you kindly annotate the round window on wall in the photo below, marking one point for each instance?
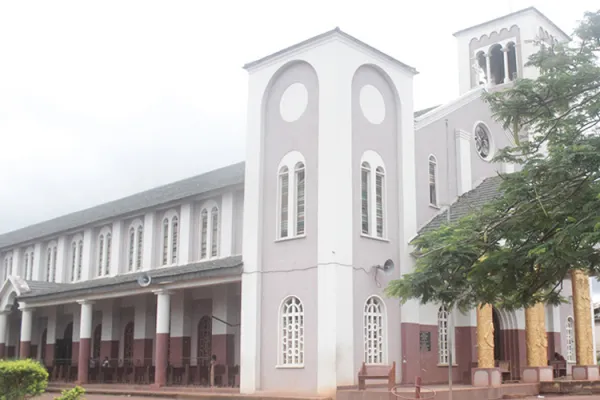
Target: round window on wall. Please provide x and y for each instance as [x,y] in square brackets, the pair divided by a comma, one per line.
[483,142]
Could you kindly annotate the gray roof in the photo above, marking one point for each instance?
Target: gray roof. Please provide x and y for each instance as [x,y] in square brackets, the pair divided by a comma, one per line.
[474,199]
[334,31]
[422,111]
[213,180]
[535,10]
[43,291]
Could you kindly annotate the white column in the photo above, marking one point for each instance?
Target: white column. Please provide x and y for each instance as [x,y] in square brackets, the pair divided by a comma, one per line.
[251,244]
[87,265]
[149,238]
[116,249]
[185,234]
[37,272]
[51,327]
[488,70]
[16,266]
[61,258]
[26,324]
[463,161]
[3,326]
[593,320]
[226,242]
[163,311]
[85,320]
[505,54]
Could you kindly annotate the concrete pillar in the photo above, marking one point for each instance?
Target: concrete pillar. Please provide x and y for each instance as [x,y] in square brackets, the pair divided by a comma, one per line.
[180,331]
[488,71]
[51,336]
[26,325]
[486,373]
[163,317]
[223,333]
[537,369]
[85,339]
[586,368]
[3,329]
[109,345]
[143,331]
[506,72]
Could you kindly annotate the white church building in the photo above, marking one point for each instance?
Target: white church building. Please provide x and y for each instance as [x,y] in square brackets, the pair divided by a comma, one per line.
[275,265]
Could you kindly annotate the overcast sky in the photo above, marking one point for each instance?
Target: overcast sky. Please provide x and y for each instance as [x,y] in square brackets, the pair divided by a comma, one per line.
[102,99]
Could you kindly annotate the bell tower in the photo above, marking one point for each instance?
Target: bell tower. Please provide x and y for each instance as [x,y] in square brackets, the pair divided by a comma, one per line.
[495,52]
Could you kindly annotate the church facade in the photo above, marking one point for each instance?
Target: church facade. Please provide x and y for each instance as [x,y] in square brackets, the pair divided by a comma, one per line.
[274,269]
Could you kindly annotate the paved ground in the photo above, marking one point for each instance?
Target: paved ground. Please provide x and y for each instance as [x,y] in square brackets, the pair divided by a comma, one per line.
[51,396]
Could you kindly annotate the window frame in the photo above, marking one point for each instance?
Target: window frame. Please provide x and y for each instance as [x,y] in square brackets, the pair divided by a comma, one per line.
[167,241]
[372,163]
[76,258]
[281,357]
[432,160]
[104,252]
[384,335]
[288,168]
[212,237]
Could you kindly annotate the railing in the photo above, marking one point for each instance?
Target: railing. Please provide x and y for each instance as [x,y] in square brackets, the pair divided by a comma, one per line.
[191,371]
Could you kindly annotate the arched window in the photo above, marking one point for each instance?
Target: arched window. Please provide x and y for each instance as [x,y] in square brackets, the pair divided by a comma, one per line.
[497,64]
[174,238]
[483,141]
[76,258]
[299,198]
[79,258]
[209,230]
[292,332]
[131,253]
[365,184]
[511,54]
[214,221]
[374,331]
[571,355]
[51,253]
[8,260]
[372,195]
[170,238]
[203,234]
[26,265]
[443,353]
[291,196]
[379,199]
[284,188]
[100,254]
[135,246]
[139,248]
[433,200]
[104,251]
[165,241]
[29,258]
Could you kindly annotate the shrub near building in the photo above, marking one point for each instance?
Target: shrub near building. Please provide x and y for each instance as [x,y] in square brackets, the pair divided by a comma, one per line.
[21,379]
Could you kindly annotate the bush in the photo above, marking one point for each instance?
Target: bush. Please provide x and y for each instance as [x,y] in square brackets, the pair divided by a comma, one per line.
[72,394]
[20,379]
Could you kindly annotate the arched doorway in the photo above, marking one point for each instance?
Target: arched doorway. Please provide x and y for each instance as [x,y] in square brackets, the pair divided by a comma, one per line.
[64,346]
[128,343]
[204,340]
[97,341]
[43,342]
[498,347]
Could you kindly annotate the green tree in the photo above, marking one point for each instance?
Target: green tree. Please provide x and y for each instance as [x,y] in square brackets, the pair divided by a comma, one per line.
[516,250]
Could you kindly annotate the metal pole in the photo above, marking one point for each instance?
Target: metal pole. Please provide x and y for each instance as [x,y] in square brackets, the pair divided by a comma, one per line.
[450,355]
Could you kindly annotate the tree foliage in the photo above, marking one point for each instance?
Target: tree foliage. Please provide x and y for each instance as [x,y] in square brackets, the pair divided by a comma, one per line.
[517,249]
[22,379]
